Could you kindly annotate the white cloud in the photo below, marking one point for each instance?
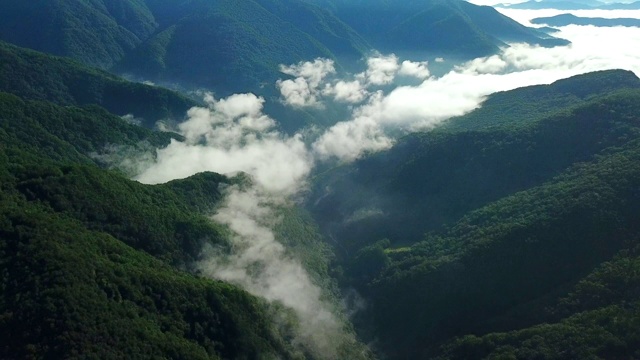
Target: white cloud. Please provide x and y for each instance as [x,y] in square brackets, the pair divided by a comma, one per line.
[417,69]
[489,65]
[298,92]
[304,89]
[467,85]
[348,140]
[381,70]
[346,91]
[313,71]
[233,135]
[280,278]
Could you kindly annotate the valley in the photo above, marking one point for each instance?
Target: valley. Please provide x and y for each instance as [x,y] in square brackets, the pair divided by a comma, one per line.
[317,179]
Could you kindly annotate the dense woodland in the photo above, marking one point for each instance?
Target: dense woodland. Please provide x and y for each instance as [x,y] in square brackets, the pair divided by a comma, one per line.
[96,265]
[510,232]
[89,259]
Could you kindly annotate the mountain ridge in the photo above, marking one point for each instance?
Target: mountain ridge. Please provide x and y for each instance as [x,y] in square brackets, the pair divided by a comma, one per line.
[37,76]
[229,46]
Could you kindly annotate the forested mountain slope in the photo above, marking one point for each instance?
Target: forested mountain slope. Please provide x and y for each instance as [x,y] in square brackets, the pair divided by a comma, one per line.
[502,265]
[223,45]
[516,218]
[234,46]
[77,246]
[429,180]
[37,76]
[532,103]
[69,291]
[96,32]
[93,264]
[448,28]
[230,46]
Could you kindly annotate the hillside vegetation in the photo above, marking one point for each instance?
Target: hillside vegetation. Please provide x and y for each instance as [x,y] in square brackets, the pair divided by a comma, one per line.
[510,232]
[515,216]
[37,76]
[432,179]
[230,46]
[449,28]
[93,264]
[86,255]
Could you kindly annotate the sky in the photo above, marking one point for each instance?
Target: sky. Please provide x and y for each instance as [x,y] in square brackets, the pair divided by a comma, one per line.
[523,16]
[390,96]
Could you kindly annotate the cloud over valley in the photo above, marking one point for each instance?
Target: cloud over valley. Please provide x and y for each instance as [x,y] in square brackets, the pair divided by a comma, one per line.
[388,98]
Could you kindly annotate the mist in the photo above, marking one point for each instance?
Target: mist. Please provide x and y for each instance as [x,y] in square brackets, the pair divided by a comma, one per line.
[260,265]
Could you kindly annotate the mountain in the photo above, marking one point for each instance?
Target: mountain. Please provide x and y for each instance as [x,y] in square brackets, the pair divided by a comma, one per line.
[499,267]
[532,103]
[223,45]
[478,242]
[230,46]
[235,46]
[448,27]
[73,292]
[570,19]
[537,5]
[511,232]
[95,32]
[86,254]
[621,6]
[93,264]
[37,76]
[604,323]
[417,185]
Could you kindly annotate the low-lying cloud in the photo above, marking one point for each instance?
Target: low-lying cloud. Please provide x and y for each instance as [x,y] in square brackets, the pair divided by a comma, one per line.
[424,106]
[229,136]
[261,265]
[316,80]
[303,91]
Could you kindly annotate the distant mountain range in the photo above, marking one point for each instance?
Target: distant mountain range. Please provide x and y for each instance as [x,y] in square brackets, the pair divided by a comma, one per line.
[457,28]
[231,46]
[570,19]
[570,5]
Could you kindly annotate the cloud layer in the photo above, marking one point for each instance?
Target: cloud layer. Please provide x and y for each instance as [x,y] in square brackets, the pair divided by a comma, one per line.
[315,80]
